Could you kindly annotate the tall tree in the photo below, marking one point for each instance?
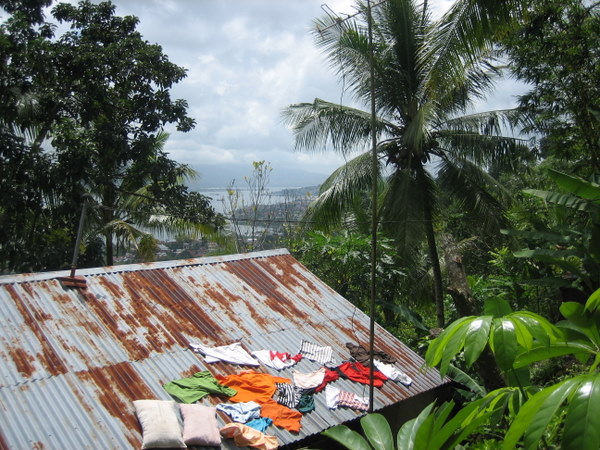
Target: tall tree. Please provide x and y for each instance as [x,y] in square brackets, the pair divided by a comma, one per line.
[423,87]
[556,50]
[100,97]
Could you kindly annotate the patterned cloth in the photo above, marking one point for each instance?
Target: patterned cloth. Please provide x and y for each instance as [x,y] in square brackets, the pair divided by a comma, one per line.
[335,397]
[318,353]
[351,400]
[287,395]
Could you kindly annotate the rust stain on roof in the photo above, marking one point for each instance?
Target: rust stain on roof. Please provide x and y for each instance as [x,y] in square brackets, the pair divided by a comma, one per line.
[117,387]
[263,284]
[22,360]
[32,316]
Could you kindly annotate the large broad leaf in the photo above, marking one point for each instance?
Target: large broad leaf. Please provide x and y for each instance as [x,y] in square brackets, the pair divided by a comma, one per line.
[593,302]
[347,437]
[496,307]
[581,321]
[576,185]
[582,424]
[536,413]
[475,390]
[477,338]
[405,440]
[438,348]
[551,351]
[378,432]
[569,201]
[540,328]
[504,343]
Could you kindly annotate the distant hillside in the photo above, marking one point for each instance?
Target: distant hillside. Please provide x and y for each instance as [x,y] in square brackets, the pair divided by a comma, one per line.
[297,192]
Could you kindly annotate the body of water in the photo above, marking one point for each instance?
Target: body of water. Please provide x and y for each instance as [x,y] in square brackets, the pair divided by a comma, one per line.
[274,195]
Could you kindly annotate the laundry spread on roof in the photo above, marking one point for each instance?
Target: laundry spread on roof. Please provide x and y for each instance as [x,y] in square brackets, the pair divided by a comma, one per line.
[287,395]
[360,354]
[232,353]
[260,399]
[251,385]
[260,424]
[260,388]
[318,353]
[192,389]
[393,373]
[245,436]
[360,373]
[241,412]
[335,397]
[309,380]
[276,360]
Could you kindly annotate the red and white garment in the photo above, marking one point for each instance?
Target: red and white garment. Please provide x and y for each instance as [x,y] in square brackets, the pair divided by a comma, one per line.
[334,397]
[276,360]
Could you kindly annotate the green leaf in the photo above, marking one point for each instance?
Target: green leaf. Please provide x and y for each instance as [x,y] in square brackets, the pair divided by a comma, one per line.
[593,302]
[581,320]
[524,336]
[546,352]
[582,424]
[378,432]
[504,343]
[347,437]
[405,440]
[476,338]
[438,347]
[576,185]
[569,201]
[536,413]
[475,390]
[496,307]
[539,327]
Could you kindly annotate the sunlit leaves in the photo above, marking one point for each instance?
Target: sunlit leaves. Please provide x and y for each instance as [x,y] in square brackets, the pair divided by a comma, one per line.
[582,421]
[507,333]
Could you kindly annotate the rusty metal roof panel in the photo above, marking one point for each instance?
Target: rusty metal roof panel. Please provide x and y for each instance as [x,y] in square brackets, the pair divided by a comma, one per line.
[73,360]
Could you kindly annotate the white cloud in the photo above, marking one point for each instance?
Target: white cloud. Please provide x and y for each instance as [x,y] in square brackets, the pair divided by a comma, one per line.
[246,61]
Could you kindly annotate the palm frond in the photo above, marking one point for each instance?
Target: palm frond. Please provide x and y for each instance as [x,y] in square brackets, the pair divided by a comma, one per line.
[339,193]
[475,191]
[321,124]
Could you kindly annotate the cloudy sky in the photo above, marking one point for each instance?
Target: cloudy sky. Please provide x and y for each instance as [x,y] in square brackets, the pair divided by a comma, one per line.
[246,61]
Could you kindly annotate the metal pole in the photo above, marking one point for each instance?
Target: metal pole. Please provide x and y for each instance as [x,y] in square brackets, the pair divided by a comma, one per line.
[373,211]
[78,240]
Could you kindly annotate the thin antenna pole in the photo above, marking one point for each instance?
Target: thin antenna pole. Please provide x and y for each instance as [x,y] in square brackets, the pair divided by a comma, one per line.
[373,210]
[79,234]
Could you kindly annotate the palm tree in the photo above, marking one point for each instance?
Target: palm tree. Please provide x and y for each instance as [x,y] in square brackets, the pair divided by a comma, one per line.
[423,87]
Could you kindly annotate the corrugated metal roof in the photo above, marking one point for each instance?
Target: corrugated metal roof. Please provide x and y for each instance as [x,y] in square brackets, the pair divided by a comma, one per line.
[73,361]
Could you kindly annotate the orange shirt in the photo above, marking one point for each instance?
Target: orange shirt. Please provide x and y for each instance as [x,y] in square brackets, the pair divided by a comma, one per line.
[282,416]
[259,387]
[252,386]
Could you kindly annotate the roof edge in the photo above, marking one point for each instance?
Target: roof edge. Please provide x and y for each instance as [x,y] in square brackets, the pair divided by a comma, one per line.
[205,260]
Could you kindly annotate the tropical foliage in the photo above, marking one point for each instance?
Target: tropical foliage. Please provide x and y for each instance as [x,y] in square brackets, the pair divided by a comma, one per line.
[425,141]
[82,115]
